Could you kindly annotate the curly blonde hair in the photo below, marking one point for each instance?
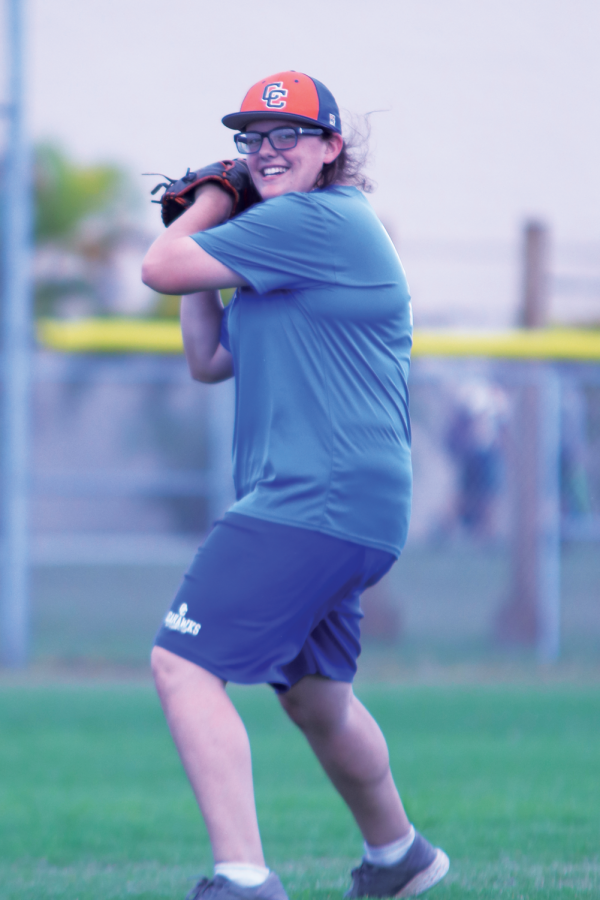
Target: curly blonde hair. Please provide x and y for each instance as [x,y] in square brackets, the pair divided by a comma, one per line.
[348,167]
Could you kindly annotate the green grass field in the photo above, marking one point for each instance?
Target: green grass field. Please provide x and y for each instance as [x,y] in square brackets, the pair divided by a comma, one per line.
[94,804]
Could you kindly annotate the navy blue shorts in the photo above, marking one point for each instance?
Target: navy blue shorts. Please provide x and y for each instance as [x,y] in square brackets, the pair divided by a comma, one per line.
[269,603]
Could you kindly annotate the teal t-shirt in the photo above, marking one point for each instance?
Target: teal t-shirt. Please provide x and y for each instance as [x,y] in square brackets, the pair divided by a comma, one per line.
[321,344]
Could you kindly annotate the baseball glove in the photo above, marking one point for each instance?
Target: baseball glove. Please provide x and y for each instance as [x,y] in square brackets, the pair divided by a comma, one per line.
[230,174]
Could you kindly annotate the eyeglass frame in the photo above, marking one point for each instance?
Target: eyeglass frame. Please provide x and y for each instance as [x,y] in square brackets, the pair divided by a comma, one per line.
[298,131]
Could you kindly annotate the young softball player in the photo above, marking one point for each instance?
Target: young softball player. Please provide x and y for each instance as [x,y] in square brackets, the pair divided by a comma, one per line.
[318,339]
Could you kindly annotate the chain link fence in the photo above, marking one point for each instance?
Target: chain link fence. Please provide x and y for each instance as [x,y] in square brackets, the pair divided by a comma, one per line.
[132,464]
[503,557]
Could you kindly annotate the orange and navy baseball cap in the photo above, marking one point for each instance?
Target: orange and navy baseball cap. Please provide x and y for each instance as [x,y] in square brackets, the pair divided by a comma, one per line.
[288,95]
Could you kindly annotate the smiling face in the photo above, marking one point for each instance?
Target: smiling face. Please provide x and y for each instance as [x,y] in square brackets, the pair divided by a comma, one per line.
[276,172]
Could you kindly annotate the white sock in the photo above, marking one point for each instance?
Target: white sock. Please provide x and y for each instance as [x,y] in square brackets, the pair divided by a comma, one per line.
[389,854]
[242,873]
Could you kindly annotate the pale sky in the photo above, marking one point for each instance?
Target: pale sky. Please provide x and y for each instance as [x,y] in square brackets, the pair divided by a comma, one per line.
[493,114]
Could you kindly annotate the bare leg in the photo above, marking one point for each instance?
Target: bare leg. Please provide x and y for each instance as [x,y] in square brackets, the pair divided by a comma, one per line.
[215,752]
[352,750]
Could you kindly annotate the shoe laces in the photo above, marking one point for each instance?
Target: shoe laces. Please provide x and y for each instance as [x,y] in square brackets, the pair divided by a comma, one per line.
[198,889]
[360,876]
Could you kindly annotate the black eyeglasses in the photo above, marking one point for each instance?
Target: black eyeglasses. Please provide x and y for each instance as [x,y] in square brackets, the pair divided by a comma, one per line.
[283,138]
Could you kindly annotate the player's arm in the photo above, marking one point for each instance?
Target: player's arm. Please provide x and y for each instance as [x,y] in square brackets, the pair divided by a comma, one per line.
[201,315]
[175,264]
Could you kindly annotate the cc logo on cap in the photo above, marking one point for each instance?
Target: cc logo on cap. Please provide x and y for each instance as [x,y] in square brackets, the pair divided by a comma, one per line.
[272,95]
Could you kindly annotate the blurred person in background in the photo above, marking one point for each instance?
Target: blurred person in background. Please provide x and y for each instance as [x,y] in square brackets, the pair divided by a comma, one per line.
[474,439]
[318,338]
[576,501]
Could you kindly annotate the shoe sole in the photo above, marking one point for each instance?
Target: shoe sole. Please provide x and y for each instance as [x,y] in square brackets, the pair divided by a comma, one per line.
[428,877]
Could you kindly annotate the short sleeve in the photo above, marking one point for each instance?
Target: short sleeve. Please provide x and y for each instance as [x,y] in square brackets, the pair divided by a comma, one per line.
[275,245]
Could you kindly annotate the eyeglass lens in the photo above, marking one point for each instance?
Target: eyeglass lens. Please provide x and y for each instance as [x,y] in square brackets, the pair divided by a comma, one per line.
[279,139]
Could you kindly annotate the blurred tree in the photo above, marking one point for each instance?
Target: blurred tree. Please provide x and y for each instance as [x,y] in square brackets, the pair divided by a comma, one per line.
[88,238]
[67,194]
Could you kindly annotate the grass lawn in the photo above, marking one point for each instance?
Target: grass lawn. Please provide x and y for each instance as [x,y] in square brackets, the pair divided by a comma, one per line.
[94,804]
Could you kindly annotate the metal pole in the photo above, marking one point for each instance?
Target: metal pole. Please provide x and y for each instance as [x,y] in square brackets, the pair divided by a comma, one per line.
[16,295]
[548,557]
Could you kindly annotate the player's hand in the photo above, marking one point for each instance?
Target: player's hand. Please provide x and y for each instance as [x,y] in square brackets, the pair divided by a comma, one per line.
[231,175]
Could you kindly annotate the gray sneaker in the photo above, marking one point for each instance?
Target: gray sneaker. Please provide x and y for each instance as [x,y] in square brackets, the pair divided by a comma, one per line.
[220,888]
[421,868]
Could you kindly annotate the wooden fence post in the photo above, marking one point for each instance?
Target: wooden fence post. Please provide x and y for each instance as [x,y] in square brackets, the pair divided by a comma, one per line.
[534,304]
[531,613]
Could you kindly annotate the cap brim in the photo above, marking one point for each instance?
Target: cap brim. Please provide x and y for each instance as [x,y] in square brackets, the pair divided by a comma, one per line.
[240,120]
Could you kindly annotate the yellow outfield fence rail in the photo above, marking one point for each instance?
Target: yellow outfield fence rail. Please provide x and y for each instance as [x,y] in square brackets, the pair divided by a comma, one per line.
[548,343]
[120,335]
[110,335]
